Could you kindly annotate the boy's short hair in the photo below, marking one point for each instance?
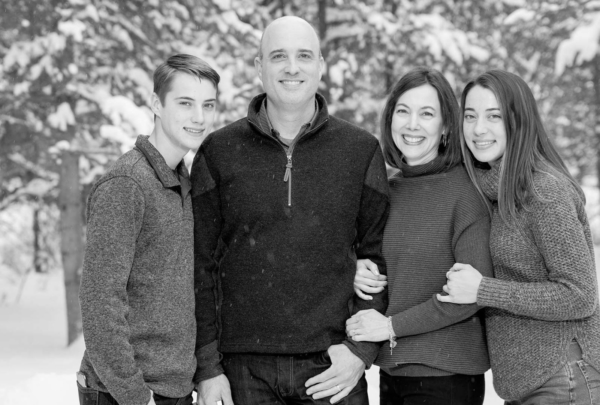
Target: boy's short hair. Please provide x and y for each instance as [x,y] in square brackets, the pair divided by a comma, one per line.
[182,63]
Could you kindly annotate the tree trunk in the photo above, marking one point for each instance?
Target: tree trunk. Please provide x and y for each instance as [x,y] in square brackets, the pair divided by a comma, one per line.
[322,14]
[596,81]
[71,238]
[37,236]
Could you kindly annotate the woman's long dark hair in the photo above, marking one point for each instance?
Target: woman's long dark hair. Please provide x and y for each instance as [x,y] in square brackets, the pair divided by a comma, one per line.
[450,115]
[528,148]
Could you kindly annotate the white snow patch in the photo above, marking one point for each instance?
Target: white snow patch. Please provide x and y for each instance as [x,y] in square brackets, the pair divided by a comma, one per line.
[119,136]
[72,28]
[581,47]
[121,110]
[62,117]
[223,4]
[520,15]
[515,3]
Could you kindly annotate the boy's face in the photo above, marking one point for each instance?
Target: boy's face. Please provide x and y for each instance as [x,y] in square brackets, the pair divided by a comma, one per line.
[188,112]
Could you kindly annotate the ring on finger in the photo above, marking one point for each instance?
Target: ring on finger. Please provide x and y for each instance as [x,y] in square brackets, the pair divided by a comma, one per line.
[337,387]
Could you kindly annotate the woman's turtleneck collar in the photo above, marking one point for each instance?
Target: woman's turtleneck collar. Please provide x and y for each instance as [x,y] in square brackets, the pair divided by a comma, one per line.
[489,180]
[435,166]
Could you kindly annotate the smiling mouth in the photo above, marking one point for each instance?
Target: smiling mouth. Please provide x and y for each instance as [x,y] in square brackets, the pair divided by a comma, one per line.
[483,144]
[194,130]
[413,140]
[291,82]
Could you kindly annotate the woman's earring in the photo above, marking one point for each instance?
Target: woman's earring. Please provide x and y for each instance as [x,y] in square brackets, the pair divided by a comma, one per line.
[444,140]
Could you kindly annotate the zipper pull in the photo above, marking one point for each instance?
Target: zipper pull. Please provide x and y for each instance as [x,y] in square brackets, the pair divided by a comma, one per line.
[288,168]
[288,178]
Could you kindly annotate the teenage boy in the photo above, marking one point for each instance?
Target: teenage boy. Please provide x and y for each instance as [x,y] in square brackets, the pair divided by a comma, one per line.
[137,288]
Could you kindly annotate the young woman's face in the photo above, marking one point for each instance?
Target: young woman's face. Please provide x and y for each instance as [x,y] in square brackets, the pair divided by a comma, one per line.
[417,125]
[483,126]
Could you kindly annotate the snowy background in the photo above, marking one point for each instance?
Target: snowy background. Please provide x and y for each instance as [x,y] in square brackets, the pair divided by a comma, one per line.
[75,81]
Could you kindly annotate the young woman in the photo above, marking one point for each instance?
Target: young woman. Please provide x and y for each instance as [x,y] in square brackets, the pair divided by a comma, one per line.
[543,323]
[437,352]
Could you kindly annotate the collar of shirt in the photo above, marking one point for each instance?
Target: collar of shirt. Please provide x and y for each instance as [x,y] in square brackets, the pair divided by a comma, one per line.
[265,122]
[168,177]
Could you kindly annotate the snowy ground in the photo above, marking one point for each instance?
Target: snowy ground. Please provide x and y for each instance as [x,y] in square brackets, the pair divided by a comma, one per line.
[35,365]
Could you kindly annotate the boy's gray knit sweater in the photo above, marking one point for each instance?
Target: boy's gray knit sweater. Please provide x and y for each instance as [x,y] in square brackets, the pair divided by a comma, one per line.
[545,291]
[137,288]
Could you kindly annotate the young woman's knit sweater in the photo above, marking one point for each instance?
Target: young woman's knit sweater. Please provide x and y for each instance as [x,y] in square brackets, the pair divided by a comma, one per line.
[545,290]
[436,219]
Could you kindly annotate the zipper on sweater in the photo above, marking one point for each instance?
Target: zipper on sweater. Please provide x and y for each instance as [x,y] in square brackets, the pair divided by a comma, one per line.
[287,177]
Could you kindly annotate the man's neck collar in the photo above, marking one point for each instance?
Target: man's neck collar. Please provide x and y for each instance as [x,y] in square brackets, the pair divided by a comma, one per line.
[288,121]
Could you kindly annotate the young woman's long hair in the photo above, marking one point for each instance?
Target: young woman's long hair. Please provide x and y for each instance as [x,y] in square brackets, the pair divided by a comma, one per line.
[528,148]
[417,77]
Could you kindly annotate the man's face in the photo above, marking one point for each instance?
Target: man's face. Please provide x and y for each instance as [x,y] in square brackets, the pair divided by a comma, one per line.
[187,114]
[291,65]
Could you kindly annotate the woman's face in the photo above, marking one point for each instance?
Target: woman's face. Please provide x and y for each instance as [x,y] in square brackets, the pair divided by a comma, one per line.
[417,125]
[483,126]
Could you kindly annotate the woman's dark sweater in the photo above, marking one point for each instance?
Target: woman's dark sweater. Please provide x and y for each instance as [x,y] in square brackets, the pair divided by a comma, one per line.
[436,220]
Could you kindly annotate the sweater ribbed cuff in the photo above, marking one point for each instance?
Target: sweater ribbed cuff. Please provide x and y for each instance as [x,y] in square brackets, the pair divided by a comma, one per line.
[365,351]
[493,293]
[209,362]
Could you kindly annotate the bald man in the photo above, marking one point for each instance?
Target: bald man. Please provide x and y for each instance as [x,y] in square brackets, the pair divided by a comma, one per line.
[284,201]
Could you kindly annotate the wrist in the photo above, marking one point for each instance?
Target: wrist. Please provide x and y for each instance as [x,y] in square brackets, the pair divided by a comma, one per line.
[392,334]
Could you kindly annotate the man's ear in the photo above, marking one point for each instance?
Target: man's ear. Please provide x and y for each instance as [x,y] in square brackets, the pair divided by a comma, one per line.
[321,66]
[155,104]
[258,66]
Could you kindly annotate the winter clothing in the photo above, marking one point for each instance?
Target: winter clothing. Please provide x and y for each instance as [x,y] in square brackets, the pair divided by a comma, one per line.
[285,253]
[436,219]
[545,290]
[137,296]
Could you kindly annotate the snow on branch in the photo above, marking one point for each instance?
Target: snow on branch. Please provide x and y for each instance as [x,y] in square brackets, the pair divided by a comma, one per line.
[581,47]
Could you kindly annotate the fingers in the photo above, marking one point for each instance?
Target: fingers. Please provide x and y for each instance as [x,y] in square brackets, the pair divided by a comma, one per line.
[362,295]
[370,288]
[319,378]
[443,298]
[227,398]
[326,389]
[371,266]
[367,274]
[340,395]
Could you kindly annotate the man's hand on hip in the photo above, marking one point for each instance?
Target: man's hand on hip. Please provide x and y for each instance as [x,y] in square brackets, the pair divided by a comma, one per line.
[215,389]
[339,379]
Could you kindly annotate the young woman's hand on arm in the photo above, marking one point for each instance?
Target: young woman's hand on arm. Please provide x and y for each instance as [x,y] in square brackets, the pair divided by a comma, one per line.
[367,279]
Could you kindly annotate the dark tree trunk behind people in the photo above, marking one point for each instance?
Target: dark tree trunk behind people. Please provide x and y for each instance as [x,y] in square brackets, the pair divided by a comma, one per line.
[324,46]
[37,236]
[71,238]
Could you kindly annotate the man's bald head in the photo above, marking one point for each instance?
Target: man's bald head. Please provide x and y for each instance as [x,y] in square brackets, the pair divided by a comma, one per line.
[286,23]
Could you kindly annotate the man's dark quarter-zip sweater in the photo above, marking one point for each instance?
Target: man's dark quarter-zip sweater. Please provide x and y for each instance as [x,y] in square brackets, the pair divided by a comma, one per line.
[280,257]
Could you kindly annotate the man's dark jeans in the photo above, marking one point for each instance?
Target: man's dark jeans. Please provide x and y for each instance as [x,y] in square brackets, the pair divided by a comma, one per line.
[90,396]
[279,379]
[457,389]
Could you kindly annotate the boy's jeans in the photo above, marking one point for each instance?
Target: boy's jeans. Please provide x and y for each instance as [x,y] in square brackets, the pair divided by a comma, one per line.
[90,396]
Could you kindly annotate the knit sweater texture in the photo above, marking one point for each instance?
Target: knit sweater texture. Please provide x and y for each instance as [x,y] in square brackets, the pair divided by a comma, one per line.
[137,295]
[545,292]
[285,272]
[436,220]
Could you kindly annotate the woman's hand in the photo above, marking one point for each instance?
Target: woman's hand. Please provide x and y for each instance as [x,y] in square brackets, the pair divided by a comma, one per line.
[462,285]
[368,279]
[367,326]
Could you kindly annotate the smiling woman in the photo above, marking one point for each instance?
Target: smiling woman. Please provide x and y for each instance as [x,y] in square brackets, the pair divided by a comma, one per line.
[436,218]
[543,320]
